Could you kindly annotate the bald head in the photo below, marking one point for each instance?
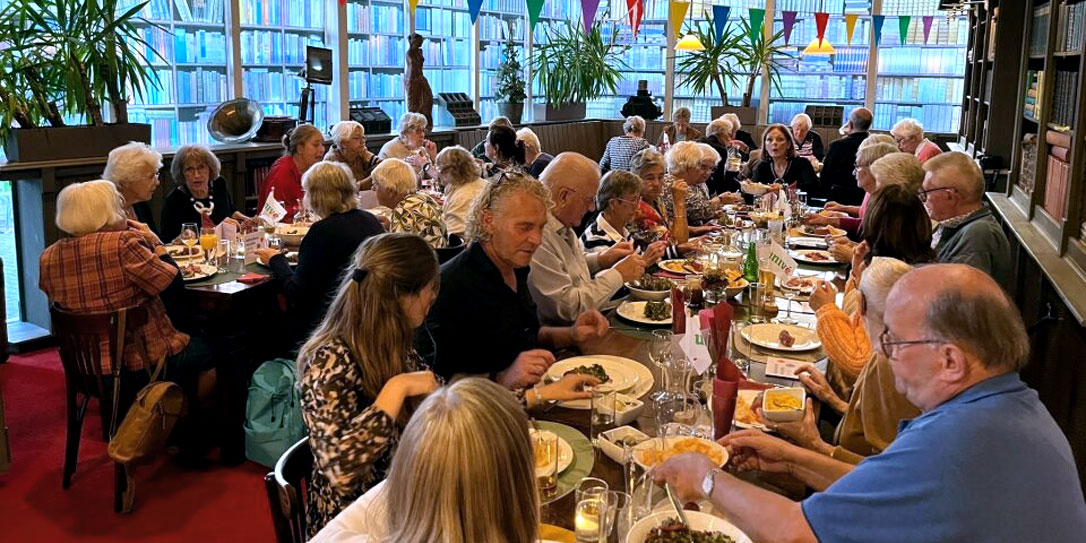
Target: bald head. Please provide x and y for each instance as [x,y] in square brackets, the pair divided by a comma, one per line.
[573,180]
[860,118]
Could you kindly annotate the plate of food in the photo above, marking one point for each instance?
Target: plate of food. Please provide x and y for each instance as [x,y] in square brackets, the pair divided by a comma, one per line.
[745,417]
[651,453]
[629,371]
[664,527]
[781,337]
[814,256]
[544,453]
[292,234]
[613,376]
[832,213]
[645,312]
[804,285]
[809,242]
[184,252]
[811,230]
[197,272]
[688,266]
[650,288]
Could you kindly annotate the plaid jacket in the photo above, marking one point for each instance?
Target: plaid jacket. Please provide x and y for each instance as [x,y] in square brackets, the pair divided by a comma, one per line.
[104,272]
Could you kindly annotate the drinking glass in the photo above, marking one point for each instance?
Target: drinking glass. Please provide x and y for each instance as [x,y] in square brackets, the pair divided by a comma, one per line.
[611,521]
[222,255]
[591,507]
[754,302]
[789,295]
[703,391]
[190,234]
[548,483]
[660,353]
[603,414]
[737,357]
[209,241]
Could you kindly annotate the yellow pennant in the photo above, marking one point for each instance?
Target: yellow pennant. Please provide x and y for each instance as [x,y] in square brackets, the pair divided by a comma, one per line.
[850,26]
[676,15]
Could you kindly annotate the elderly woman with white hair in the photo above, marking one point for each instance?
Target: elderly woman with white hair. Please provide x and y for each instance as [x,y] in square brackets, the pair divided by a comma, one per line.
[909,135]
[866,156]
[200,196]
[349,147]
[411,211]
[411,145]
[620,149]
[457,170]
[535,160]
[720,135]
[690,164]
[680,129]
[327,247]
[133,168]
[808,142]
[746,142]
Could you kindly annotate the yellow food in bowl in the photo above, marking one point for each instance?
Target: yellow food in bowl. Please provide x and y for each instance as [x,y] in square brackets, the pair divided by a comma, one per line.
[782,402]
[652,457]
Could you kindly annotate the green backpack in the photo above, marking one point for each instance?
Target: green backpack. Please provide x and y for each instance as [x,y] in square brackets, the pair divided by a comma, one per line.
[273,414]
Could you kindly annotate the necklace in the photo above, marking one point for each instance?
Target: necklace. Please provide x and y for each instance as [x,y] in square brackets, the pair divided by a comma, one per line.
[779,176]
[200,207]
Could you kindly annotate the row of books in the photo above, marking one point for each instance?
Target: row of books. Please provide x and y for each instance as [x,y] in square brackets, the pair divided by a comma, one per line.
[199,46]
[504,6]
[1038,36]
[935,118]
[829,86]
[926,90]
[1034,85]
[365,85]
[950,62]
[1069,27]
[448,80]
[201,86]
[1028,167]
[275,47]
[1064,98]
[457,4]
[493,56]
[376,51]
[1058,173]
[447,52]
[439,22]
[155,10]
[492,27]
[376,18]
[265,85]
[200,11]
[852,59]
[163,94]
[285,12]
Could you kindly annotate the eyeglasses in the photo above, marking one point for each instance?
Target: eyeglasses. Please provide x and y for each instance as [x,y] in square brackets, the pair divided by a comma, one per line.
[629,202]
[889,346]
[923,195]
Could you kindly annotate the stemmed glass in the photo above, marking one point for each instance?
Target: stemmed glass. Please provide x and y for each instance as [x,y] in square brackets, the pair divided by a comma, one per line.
[789,295]
[190,235]
[660,353]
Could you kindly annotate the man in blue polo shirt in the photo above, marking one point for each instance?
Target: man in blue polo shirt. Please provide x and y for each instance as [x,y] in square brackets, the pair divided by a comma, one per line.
[983,462]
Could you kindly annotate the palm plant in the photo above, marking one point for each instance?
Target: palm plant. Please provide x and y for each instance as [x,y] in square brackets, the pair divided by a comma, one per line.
[760,53]
[575,66]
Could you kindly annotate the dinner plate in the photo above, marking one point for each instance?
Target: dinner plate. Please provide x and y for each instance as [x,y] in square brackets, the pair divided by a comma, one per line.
[623,377]
[744,412]
[699,521]
[768,335]
[648,455]
[635,311]
[799,232]
[584,457]
[205,271]
[565,453]
[184,252]
[805,256]
[679,266]
[811,242]
[641,375]
[803,285]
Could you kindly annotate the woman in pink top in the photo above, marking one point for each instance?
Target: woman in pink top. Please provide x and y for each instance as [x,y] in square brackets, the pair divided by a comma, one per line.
[909,135]
[870,151]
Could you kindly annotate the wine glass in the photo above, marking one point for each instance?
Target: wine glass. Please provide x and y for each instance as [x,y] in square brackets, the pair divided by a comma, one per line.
[660,353]
[790,295]
[209,241]
[190,234]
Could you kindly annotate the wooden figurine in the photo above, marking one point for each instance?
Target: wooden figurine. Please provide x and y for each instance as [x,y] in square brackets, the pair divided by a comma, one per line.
[420,98]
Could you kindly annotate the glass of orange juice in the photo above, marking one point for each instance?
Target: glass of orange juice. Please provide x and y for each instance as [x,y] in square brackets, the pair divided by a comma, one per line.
[209,241]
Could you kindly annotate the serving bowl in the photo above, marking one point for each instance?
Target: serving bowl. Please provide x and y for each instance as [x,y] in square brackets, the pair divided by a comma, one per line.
[783,415]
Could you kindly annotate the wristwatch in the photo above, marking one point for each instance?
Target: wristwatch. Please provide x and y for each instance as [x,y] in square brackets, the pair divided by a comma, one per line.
[708,483]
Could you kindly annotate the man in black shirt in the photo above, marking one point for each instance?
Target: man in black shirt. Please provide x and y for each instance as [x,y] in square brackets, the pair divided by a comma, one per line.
[838,180]
[484,320]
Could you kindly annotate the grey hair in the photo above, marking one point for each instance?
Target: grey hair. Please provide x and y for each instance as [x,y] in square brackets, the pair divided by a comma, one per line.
[187,153]
[897,169]
[500,120]
[803,118]
[874,139]
[616,184]
[635,124]
[682,113]
[860,119]
[961,171]
[85,208]
[329,188]
[877,281]
[458,163]
[734,119]
[493,197]
[719,126]
[908,128]
[985,322]
[411,121]
[645,159]
[685,156]
[397,175]
[530,139]
[345,130]
[867,156]
[127,162]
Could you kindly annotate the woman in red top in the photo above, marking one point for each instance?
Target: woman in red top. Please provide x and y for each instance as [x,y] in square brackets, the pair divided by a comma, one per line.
[305,147]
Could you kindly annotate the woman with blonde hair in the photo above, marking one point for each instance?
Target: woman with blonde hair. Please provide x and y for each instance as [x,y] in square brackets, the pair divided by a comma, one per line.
[411,210]
[304,146]
[463,473]
[326,249]
[457,170]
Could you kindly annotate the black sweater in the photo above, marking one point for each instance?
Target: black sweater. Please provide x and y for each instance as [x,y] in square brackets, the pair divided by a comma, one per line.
[799,173]
[178,209]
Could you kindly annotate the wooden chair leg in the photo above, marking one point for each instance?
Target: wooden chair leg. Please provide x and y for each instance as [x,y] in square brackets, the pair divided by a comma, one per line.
[71,443]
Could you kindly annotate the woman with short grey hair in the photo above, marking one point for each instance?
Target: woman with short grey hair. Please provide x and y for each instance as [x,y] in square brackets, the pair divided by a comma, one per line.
[909,135]
[349,147]
[620,149]
[134,167]
[679,130]
[690,165]
[458,171]
[808,142]
[412,211]
[200,192]
[411,145]
[617,200]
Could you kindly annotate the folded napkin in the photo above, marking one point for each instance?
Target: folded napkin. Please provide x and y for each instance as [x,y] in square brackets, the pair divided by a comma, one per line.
[678,311]
[253,278]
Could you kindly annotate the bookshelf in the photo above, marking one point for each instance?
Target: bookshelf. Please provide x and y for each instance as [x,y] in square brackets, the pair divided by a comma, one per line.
[497,19]
[376,48]
[190,63]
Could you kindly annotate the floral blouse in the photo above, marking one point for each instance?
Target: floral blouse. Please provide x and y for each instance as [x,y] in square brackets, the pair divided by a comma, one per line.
[352,440]
[420,214]
[699,209]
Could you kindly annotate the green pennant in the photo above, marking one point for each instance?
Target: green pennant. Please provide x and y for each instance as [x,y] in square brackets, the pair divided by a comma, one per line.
[903,26]
[534,8]
[757,18]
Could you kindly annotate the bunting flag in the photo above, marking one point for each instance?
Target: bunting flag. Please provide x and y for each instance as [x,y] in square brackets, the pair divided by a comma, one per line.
[634,9]
[878,20]
[903,27]
[850,25]
[757,19]
[720,20]
[928,19]
[789,22]
[412,4]
[535,7]
[676,13]
[473,7]
[821,19]
[588,9]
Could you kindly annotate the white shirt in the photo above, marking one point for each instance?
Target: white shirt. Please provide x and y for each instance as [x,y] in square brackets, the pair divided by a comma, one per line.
[458,204]
[364,521]
[566,282]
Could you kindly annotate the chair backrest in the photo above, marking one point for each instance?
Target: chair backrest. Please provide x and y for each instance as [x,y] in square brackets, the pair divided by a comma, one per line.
[287,488]
[456,246]
[81,337]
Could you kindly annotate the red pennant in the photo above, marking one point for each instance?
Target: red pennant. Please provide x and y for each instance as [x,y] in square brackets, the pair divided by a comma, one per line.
[820,21]
[635,9]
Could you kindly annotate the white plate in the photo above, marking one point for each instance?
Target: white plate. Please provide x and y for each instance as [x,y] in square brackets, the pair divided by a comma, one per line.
[183,252]
[635,311]
[565,453]
[747,397]
[805,256]
[678,267]
[643,380]
[814,243]
[622,377]
[639,532]
[768,335]
[643,448]
[807,287]
[206,271]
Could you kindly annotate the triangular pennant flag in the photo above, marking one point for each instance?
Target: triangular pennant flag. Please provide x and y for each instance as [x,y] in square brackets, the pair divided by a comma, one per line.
[588,9]
[903,26]
[720,20]
[878,20]
[535,7]
[473,7]
[676,14]
[412,4]
[635,9]
[757,19]
[821,19]
[789,22]
[850,25]
[928,19]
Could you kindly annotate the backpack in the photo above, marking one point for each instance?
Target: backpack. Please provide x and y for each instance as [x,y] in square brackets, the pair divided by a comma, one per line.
[273,413]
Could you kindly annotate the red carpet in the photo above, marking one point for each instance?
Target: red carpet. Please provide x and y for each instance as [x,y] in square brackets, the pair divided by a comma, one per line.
[173,504]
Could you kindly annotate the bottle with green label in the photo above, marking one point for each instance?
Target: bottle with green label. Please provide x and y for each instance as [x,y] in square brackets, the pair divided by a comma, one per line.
[750,265]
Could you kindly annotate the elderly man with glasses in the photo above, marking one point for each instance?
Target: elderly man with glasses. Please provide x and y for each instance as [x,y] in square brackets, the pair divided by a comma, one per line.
[984,461]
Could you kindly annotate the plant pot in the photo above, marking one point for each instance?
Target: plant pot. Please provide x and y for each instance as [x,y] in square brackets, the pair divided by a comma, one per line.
[566,112]
[64,142]
[511,111]
[748,116]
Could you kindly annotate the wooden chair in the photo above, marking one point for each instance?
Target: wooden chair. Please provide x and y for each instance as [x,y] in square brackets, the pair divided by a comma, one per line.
[287,488]
[455,247]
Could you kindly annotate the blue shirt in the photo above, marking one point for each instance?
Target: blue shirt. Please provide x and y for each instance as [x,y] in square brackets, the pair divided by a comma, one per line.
[987,465]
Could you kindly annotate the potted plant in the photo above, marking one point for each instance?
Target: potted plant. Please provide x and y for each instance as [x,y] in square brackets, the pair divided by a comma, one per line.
[70,57]
[573,67]
[510,89]
[734,59]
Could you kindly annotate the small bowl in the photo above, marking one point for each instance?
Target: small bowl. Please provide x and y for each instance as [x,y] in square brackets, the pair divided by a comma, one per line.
[291,234]
[733,290]
[609,443]
[648,295]
[784,415]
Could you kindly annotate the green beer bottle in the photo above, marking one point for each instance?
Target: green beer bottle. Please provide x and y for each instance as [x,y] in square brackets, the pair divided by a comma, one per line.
[750,265]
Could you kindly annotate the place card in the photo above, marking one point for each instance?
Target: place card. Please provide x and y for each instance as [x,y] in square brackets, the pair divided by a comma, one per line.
[695,346]
[253,241]
[784,368]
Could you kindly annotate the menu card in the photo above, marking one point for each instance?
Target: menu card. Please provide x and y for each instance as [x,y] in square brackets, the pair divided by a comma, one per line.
[253,241]
[782,367]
